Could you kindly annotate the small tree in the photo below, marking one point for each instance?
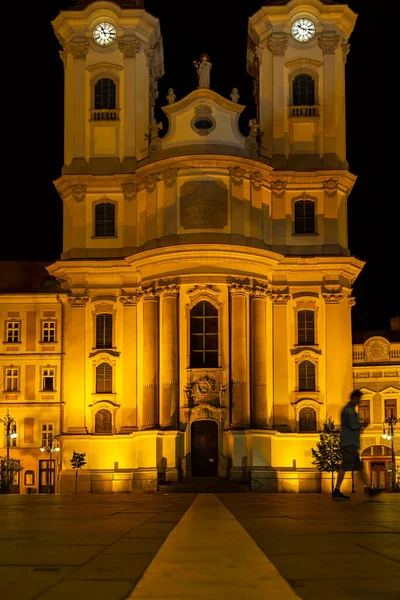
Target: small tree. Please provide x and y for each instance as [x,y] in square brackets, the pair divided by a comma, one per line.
[77,461]
[8,468]
[328,456]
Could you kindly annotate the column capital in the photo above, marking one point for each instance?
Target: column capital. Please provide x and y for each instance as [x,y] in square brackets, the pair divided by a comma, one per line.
[129,47]
[278,45]
[78,50]
[168,291]
[78,301]
[280,297]
[329,44]
[150,294]
[238,289]
[131,299]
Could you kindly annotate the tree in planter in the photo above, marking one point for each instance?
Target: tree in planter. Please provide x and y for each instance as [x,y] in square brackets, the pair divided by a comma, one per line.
[328,456]
[77,461]
[8,468]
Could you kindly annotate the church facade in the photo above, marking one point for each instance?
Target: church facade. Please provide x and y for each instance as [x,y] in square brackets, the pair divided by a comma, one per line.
[202,321]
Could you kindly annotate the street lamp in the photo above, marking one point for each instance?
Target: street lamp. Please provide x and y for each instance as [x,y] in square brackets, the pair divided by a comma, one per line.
[51,448]
[11,433]
[391,423]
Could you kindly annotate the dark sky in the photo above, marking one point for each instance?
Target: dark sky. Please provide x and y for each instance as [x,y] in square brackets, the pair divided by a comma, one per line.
[34,216]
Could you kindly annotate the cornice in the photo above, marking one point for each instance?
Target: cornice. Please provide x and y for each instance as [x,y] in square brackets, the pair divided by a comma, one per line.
[201,94]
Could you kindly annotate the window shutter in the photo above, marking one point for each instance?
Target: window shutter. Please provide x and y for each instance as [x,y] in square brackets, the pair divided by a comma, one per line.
[104,331]
[305,327]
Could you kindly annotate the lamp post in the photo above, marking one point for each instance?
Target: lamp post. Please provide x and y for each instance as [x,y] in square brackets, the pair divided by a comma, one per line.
[11,433]
[51,448]
[391,423]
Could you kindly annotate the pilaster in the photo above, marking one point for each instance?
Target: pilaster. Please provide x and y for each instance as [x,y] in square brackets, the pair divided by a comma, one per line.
[240,413]
[169,390]
[258,358]
[150,360]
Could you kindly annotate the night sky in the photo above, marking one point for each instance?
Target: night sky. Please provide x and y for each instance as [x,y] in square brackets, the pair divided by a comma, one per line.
[34,214]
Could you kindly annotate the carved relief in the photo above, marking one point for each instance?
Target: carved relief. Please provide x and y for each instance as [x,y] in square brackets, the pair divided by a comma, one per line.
[204,390]
[169,177]
[169,291]
[131,299]
[78,192]
[345,51]
[238,289]
[103,308]
[330,187]
[130,190]
[328,45]
[280,297]
[129,48]
[259,291]
[204,413]
[204,205]
[278,46]
[377,350]
[78,50]
[332,297]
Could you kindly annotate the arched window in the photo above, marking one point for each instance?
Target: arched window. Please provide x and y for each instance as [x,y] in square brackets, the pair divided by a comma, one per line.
[303,90]
[104,331]
[105,96]
[203,335]
[305,327]
[307,419]
[104,220]
[104,379]
[306,376]
[304,217]
[103,421]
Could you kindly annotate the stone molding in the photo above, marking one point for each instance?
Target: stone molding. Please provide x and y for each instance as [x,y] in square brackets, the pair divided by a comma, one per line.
[278,46]
[329,44]
[129,47]
[330,186]
[78,50]
[78,301]
[130,189]
[278,187]
[78,192]
[169,176]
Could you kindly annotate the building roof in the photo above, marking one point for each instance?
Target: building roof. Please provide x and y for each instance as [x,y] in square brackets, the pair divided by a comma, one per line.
[121,3]
[24,277]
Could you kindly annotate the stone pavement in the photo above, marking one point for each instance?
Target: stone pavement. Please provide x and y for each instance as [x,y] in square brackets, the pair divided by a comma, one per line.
[199,546]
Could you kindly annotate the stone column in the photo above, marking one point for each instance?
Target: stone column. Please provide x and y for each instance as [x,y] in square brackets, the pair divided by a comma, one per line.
[281,366]
[277,45]
[129,48]
[169,392]
[240,411]
[129,408]
[79,51]
[150,360]
[75,356]
[258,359]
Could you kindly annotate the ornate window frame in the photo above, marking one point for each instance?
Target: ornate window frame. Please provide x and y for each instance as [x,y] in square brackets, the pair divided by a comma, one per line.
[101,71]
[18,329]
[307,402]
[109,405]
[13,377]
[301,357]
[98,359]
[51,331]
[102,307]
[95,204]
[211,294]
[304,197]
[52,374]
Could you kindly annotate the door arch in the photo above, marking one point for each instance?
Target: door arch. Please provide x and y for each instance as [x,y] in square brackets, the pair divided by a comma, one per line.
[204,446]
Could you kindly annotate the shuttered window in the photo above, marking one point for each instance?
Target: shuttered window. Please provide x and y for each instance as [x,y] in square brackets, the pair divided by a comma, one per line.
[104,220]
[104,331]
[304,217]
[306,376]
[105,94]
[305,327]
[104,379]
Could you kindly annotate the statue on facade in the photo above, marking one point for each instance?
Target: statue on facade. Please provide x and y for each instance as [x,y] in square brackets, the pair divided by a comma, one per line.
[235,94]
[203,70]
[253,139]
[171,96]
[152,137]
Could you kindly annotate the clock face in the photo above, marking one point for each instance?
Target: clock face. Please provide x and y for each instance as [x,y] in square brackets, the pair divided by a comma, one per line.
[303,30]
[104,34]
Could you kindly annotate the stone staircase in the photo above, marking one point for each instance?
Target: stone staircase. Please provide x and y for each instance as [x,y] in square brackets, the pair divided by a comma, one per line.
[198,485]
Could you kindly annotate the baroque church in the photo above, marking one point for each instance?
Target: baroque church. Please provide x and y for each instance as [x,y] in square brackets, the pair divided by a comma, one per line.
[198,321]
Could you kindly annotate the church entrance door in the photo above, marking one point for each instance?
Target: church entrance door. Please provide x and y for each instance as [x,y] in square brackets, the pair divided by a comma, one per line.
[204,449]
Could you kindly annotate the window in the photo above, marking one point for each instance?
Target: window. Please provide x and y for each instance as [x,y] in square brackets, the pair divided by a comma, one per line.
[47,434]
[203,335]
[363,411]
[303,90]
[306,376]
[307,420]
[305,327]
[104,220]
[104,331]
[13,330]
[390,408]
[103,421]
[12,379]
[105,95]
[304,217]
[104,379]
[48,380]
[48,331]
